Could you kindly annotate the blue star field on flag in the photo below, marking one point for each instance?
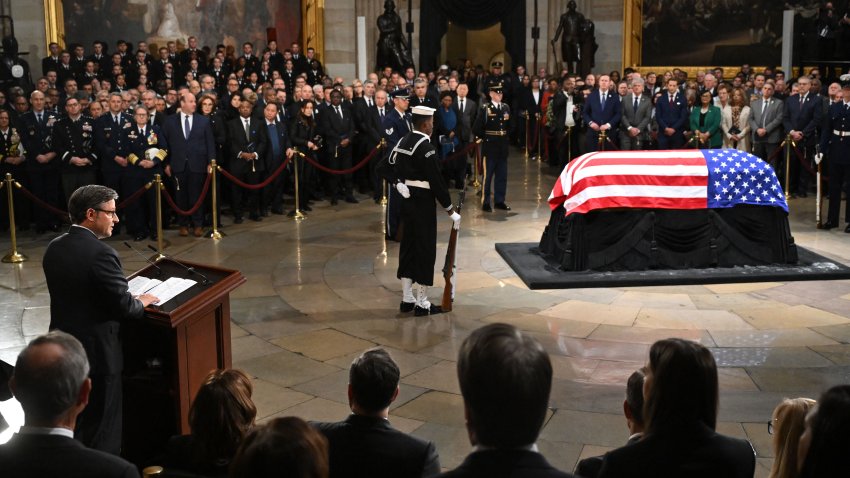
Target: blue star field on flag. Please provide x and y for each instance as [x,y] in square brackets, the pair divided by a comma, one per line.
[736,177]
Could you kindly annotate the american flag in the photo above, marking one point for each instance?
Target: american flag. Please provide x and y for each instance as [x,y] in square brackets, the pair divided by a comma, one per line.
[684,179]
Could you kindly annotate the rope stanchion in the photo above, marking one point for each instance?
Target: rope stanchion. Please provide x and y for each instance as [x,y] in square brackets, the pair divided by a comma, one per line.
[527,123]
[38,201]
[459,154]
[134,197]
[197,205]
[261,185]
[160,241]
[296,213]
[478,165]
[805,163]
[215,233]
[13,257]
[359,165]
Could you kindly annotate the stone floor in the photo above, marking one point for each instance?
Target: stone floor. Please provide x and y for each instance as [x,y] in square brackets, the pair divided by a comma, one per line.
[321,291]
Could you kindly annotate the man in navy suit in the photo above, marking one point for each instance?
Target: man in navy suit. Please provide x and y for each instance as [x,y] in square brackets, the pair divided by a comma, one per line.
[801,119]
[505,378]
[191,147]
[279,146]
[51,382]
[365,444]
[835,143]
[602,112]
[671,113]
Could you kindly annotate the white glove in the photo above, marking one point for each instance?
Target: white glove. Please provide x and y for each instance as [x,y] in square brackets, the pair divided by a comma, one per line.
[455,217]
[151,153]
[818,158]
[403,190]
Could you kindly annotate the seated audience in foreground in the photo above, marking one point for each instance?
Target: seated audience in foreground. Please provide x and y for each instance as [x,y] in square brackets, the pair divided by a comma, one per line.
[633,410]
[786,425]
[365,444]
[825,443]
[51,383]
[286,446]
[680,413]
[505,378]
[221,415]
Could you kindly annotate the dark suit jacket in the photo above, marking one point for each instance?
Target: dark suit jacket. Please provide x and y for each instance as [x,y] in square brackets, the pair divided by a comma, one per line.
[108,139]
[49,456]
[370,447]
[89,296]
[238,142]
[194,153]
[675,116]
[697,453]
[334,129]
[505,464]
[590,466]
[805,116]
[594,112]
[273,162]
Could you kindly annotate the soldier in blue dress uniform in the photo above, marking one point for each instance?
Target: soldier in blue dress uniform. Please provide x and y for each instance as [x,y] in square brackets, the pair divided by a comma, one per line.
[145,148]
[835,144]
[42,164]
[395,125]
[494,123]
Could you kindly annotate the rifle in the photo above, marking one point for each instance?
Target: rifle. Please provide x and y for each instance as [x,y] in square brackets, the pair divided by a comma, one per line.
[450,264]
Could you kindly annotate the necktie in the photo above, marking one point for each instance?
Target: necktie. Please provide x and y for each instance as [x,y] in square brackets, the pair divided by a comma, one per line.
[339,112]
[382,113]
[461,105]
[143,132]
[115,119]
[636,104]
[187,128]
[603,100]
[671,100]
[247,130]
[39,119]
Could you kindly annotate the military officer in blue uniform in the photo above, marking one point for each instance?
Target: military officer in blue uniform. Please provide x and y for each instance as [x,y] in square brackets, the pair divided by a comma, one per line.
[73,138]
[415,160]
[493,124]
[145,148]
[108,139]
[42,165]
[835,144]
[395,126]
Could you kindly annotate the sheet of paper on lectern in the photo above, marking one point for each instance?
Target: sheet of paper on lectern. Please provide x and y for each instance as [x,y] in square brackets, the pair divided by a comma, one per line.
[164,291]
[139,285]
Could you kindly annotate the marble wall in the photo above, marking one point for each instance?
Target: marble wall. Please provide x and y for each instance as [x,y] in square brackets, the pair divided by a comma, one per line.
[29,30]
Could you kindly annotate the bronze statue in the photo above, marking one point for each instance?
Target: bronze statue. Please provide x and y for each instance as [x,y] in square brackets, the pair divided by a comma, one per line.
[576,34]
[14,71]
[393,50]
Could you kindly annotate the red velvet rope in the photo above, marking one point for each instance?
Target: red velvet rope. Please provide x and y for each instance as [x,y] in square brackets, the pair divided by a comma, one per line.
[805,163]
[197,205]
[261,185]
[133,197]
[458,154]
[42,204]
[343,171]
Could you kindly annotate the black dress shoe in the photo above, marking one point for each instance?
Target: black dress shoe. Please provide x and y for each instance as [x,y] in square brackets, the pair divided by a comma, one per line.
[238,220]
[255,217]
[847,229]
[140,237]
[421,311]
[334,202]
[486,208]
[502,206]
[265,213]
[351,200]
[405,307]
[829,225]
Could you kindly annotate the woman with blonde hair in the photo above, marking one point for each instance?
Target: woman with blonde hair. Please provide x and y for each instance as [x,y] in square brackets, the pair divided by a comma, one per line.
[735,121]
[786,425]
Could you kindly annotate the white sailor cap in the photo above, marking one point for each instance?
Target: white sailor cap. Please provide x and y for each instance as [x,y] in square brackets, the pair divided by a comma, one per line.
[423,111]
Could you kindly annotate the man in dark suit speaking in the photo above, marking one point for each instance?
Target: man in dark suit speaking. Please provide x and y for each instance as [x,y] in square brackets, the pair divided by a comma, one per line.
[191,147]
[365,444]
[51,383]
[89,299]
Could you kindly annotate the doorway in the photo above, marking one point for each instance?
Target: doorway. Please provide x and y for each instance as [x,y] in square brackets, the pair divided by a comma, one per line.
[479,46]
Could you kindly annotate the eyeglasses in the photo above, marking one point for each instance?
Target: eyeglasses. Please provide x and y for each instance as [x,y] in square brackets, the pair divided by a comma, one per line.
[112,214]
[770,426]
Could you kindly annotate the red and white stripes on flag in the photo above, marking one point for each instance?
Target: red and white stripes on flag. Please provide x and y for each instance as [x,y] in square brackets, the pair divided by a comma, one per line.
[632,179]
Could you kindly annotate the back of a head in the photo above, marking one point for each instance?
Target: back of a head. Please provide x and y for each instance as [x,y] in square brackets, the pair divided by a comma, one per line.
[682,388]
[830,435]
[48,376]
[373,377]
[788,424]
[221,414]
[285,446]
[634,395]
[505,378]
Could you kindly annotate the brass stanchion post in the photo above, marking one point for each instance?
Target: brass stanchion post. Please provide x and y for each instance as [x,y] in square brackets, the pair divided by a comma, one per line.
[215,233]
[158,187]
[384,191]
[569,145]
[13,257]
[525,140]
[297,214]
[602,135]
[475,182]
[788,145]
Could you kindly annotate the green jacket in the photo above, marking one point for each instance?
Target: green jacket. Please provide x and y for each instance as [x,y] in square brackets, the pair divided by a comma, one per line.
[712,126]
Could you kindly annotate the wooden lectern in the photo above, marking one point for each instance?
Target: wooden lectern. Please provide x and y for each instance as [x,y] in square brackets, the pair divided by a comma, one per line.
[168,354]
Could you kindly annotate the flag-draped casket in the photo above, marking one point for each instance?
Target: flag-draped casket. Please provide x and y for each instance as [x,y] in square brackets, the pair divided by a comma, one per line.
[636,210]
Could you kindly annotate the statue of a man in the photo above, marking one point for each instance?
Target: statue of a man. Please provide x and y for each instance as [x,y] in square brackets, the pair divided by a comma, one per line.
[570,32]
[393,50]
[14,71]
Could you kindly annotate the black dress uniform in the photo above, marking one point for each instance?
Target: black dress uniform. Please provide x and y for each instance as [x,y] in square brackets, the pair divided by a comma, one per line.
[37,128]
[394,127]
[135,144]
[494,124]
[835,144]
[109,139]
[416,160]
[12,146]
[75,138]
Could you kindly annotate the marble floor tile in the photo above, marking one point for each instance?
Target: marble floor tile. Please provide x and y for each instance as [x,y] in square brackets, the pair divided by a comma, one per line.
[285,368]
[586,427]
[270,398]
[838,354]
[251,346]
[563,456]
[323,344]
[633,298]
[799,380]
[790,317]
[595,313]
[790,357]
[690,319]
[434,407]
[451,441]
[741,288]
[761,440]
[315,409]
[407,362]
[647,335]
[441,376]
[769,338]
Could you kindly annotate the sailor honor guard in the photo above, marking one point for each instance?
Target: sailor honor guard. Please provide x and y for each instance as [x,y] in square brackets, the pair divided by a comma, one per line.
[395,125]
[494,124]
[415,159]
[835,143]
[145,150]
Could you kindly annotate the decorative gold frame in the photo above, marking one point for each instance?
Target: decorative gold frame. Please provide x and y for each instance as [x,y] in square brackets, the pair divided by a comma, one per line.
[54,23]
[313,26]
